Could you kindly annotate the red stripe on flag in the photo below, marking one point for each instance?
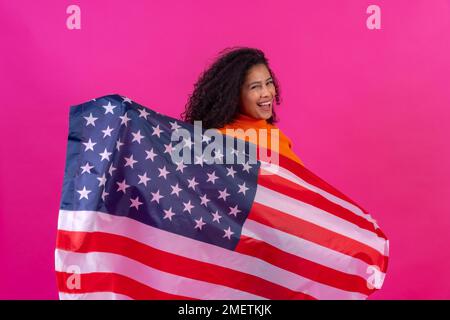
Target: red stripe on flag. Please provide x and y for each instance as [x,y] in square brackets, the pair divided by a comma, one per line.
[112,282]
[164,261]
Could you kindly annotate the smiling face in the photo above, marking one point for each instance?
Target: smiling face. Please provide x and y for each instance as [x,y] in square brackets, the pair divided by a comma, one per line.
[258,93]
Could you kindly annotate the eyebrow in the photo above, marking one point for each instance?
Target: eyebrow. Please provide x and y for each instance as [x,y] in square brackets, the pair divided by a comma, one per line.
[258,81]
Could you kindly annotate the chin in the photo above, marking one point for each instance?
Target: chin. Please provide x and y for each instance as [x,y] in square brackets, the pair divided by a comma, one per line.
[266,116]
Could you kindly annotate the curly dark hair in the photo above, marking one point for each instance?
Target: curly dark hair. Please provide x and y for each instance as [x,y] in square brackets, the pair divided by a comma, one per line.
[216,97]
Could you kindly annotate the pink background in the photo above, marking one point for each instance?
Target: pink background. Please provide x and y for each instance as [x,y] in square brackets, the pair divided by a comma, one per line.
[367,110]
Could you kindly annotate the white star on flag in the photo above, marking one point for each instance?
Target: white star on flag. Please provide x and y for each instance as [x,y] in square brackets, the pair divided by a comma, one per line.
[119,144]
[135,203]
[234,211]
[109,108]
[90,120]
[205,200]
[199,223]
[192,183]
[230,172]
[111,170]
[86,168]
[228,233]
[199,160]
[169,214]
[105,155]
[169,148]
[216,216]
[104,194]
[102,180]
[130,162]
[163,172]
[143,113]
[84,193]
[89,145]
[176,190]
[125,120]
[218,154]
[143,179]
[188,206]
[156,196]
[107,132]
[137,136]
[174,125]
[125,99]
[242,188]
[180,166]
[223,194]
[150,154]
[188,143]
[122,186]
[246,167]
[157,131]
[212,177]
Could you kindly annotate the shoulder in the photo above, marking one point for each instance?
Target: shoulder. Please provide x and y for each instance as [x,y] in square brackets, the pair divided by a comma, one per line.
[285,146]
[282,136]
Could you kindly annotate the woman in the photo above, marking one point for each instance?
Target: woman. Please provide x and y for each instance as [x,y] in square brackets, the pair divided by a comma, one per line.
[237,92]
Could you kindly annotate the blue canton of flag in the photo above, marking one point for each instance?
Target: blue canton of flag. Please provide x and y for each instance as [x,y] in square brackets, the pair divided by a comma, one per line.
[119,162]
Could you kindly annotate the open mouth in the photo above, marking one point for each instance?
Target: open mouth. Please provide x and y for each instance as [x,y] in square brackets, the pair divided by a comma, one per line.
[265,105]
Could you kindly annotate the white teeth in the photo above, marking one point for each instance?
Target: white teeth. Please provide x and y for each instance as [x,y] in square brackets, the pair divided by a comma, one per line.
[264,104]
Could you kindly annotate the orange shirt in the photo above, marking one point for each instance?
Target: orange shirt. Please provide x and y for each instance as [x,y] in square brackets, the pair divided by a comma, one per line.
[245,122]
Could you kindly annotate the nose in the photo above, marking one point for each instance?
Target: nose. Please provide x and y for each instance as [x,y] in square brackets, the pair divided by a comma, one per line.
[266,92]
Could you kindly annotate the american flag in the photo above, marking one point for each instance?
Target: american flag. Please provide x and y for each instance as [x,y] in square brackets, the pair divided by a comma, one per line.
[135,224]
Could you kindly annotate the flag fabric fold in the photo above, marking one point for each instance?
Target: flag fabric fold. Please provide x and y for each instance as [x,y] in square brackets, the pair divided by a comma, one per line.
[136,222]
